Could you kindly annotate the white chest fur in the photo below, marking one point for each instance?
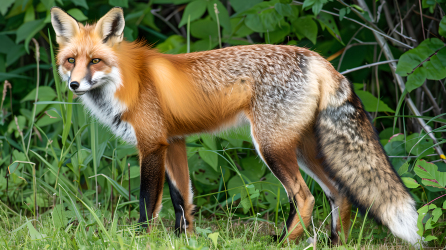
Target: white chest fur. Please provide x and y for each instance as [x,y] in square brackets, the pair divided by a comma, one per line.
[101,102]
[103,105]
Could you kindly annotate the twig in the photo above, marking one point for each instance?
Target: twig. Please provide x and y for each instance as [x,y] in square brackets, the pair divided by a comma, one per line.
[399,14]
[388,18]
[409,156]
[347,47]
[368,66]
[426,16]
[407,15]
[380,8]
[165,21]
[431,99]
[427,110]
[421,17]
[433,200]
[389,56]
[363,25]
[406,37]
[175,12]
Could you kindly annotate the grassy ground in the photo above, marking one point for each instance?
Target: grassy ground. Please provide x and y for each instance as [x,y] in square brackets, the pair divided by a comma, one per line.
[55,230]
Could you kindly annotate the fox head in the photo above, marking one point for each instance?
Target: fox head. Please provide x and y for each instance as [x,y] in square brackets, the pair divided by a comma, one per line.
[87,58]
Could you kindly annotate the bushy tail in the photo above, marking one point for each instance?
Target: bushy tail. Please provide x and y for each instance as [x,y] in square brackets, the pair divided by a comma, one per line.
[356,160]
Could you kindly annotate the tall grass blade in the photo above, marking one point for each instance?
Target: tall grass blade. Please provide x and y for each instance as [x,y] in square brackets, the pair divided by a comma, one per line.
[98,221]
[93,136]
[56,78]
[37,94]
[362,227]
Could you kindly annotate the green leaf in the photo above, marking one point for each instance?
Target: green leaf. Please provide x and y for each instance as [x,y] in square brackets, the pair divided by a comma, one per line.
[416,79]
[214,238]
[409,182]
[371,103]
[149,20]
[235,186]
[77,14]
[429,167]
[432,172]
[35,235]
[4,5]
[306,27]
[415,146]
[45,94]
[240,6]
[202,172]
[119,3]
[327,20]
[284,9]
[27,31]
[254,168]
[241,133]
[195,10]
[29,14]
[58,215]
[82,3]
[442,28]
[431,183]
[315,5]
[414,57]
[279,34]
[204,29]
[430,237]
[269,186]
[436,67]
[48,4]
[210,158]
[209,141]
[263,17]
[223,15]
[403,169]
[343,12]
[173,44]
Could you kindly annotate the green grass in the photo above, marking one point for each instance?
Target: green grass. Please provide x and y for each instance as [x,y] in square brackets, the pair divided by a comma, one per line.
[57,229]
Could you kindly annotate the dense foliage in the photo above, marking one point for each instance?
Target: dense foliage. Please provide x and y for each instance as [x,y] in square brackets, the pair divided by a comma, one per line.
[55,158]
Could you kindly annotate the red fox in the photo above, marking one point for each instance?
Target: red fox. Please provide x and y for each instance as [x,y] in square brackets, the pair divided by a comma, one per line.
[303,114]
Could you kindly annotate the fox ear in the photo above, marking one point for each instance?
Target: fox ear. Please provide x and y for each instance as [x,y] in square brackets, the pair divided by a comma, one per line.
[64,25]
[111,26]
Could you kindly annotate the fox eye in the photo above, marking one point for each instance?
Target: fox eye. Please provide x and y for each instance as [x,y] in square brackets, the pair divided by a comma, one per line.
[71,60]
[96,60]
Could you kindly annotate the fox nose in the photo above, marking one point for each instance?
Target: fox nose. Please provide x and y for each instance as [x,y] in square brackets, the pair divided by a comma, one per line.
[74,85]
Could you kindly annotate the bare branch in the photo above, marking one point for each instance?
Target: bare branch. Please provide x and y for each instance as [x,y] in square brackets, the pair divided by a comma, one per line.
[388,54]
[363,25]
[368,66]
[154,12]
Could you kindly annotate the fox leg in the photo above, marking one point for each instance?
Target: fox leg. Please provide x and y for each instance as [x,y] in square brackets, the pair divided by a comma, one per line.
[282,162]
[152,182]
[340,206]
[179,185]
